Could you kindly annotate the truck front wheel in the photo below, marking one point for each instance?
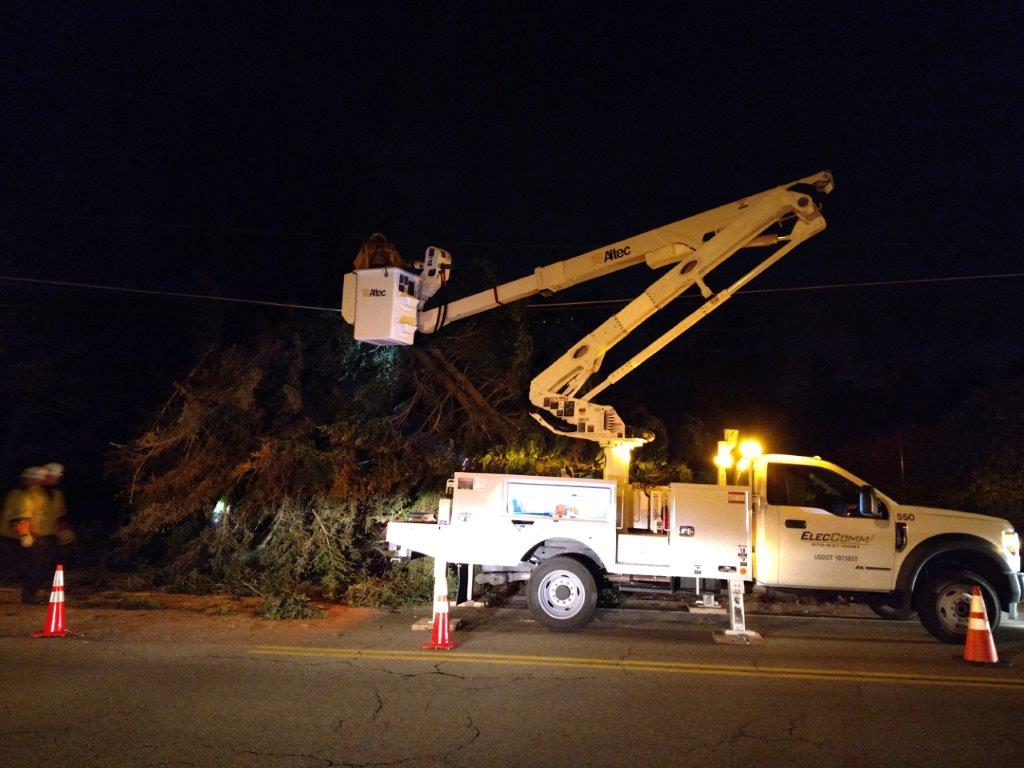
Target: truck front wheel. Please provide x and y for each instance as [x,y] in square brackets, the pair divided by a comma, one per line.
[562,594]
[944,604]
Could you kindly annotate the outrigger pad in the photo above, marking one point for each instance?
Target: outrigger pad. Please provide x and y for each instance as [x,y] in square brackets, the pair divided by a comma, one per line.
[729,637]
[426,624]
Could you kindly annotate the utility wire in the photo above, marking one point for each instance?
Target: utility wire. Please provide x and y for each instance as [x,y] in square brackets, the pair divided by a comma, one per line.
[546,305]
[911,281]
[174,294]
[800,288]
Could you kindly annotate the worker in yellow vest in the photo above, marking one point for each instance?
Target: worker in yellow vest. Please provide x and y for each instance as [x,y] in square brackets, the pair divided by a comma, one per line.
[24,509]
[35,515]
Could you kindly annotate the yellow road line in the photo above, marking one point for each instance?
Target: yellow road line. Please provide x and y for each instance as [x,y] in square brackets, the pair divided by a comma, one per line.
[673,667]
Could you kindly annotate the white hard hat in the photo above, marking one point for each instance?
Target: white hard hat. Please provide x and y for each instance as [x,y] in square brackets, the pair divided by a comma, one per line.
[33,473]
[53,469]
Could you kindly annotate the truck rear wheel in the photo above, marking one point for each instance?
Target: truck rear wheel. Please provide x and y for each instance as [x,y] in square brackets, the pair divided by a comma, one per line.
[562,594]
[944,604]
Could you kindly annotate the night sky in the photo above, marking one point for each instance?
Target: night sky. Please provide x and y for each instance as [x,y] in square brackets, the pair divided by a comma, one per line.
[246,153]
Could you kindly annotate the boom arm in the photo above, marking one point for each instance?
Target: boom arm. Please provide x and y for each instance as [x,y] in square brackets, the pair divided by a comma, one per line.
[782,217]
[702,243]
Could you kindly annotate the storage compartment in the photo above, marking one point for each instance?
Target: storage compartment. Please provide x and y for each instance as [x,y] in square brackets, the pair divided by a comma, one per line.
[638,549]
[710,530]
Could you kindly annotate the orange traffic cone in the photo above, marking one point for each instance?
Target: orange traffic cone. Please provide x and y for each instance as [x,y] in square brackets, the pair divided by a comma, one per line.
[440,637]
[979,648]
[56,618]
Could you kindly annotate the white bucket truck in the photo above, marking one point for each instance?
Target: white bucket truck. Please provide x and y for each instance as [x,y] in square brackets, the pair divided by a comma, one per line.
[799,523]
[803,525]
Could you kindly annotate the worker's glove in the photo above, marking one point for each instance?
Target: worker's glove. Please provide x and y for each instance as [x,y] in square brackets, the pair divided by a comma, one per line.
[65,536]
[21,530]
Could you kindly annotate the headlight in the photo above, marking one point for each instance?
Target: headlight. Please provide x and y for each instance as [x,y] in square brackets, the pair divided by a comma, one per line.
[1011,541]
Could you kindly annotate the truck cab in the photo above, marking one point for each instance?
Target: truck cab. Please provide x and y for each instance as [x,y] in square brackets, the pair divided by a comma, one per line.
[818,526]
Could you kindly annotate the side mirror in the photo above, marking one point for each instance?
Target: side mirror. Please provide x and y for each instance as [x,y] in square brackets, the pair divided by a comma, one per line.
[868,503]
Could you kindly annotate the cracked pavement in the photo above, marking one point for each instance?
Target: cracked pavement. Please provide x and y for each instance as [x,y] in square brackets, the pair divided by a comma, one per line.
[153,689]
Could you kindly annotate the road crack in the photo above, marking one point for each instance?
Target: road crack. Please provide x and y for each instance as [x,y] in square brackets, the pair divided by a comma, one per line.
[741,733]
[445,757]
[476,735]
[380,704]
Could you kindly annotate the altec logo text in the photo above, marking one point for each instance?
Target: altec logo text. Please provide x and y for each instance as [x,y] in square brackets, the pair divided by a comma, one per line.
[374,292]
[616,253]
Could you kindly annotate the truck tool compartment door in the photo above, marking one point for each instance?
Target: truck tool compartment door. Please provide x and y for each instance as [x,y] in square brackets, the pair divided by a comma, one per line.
[823,540]
[710,527]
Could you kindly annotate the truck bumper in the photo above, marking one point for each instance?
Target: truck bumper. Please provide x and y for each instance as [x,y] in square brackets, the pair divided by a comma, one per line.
[405,538]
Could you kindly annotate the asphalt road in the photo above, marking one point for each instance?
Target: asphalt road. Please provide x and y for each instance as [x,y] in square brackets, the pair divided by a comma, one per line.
[170,688]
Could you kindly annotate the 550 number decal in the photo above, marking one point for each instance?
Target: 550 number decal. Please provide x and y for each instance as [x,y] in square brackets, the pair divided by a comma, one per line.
[905,517]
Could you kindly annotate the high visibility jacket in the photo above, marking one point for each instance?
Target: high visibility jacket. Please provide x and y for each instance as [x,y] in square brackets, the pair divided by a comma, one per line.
[26,504]
[31,504]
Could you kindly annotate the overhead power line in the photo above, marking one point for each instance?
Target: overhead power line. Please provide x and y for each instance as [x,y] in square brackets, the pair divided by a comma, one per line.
[172,294]
[875,283]
[546,305]
[802,288]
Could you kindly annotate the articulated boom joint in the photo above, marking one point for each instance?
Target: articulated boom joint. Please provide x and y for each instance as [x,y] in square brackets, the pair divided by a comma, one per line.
[576,417]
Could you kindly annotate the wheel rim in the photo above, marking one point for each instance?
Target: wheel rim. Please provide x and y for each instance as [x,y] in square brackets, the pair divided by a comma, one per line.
[954,608]
[561,595]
